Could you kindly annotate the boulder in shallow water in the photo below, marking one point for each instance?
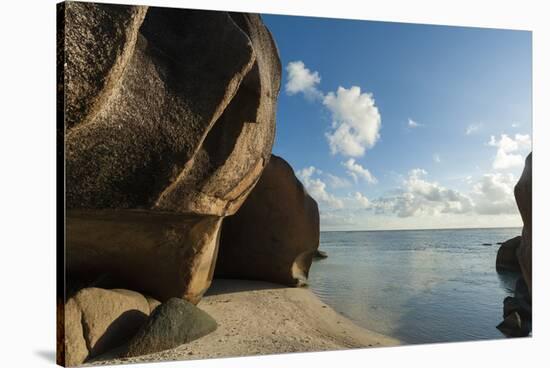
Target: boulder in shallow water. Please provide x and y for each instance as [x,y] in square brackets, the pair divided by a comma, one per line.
[275,234]
[513,304]
[524,200]
[171,324]
[507,259]
[521,290]
[513,326]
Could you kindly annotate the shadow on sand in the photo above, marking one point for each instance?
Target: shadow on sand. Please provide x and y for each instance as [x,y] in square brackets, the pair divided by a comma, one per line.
[229,286]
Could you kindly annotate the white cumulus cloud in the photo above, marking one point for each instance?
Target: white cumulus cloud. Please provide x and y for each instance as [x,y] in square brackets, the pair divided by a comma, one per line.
[494,194]
[302,80]
[361,200]
[419,196]
[317,188]
[509,150]
[337,182]
[356,121]
[356,171]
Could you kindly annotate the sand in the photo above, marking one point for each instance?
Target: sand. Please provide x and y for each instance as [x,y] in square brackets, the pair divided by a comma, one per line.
[262,318]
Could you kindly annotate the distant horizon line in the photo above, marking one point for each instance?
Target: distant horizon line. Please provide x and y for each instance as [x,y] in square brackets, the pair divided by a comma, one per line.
[423,229]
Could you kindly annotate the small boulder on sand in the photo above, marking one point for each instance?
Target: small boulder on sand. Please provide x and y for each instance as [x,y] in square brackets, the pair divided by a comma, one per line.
[98,320]
[173,323]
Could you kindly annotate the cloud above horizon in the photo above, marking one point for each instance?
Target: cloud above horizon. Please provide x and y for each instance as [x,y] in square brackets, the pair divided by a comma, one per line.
[356,121]
[509,150]
[356,171]
[421,197]
[302,80]
[318,188]
[494,194]
[417,196]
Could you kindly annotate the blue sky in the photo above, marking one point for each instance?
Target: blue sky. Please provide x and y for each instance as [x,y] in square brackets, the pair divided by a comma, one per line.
[395,126]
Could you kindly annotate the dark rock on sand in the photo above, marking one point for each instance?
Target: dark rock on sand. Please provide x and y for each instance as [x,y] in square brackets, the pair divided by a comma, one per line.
[507,259]
[523,194]
[275,234]
[513,326]
[98,320]
[173,323]
[170,122]
[319,254]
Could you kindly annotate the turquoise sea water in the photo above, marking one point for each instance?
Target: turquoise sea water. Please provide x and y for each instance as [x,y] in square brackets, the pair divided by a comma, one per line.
[420,286]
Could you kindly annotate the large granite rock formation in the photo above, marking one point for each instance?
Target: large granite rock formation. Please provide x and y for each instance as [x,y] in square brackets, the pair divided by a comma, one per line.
[524,200]
[98,320]
[275,234]
[169,123]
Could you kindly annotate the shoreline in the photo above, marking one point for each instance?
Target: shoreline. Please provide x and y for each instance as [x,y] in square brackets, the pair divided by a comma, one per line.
[259,318]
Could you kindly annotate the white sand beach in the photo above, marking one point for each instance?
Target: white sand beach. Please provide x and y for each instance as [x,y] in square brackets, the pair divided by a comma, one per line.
[262,318]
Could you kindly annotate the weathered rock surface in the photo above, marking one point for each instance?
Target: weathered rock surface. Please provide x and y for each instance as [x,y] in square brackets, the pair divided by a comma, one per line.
[190,124]
[76,350]
[521,290]
[170,121]
[519,305]
[513,326]
[173,323]
[99,40]
[524,199]
[275,234]
[98,320]
[161,255]
[507,259]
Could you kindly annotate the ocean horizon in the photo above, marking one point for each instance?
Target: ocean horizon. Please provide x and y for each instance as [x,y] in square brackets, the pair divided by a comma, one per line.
[420,286]
[424,229]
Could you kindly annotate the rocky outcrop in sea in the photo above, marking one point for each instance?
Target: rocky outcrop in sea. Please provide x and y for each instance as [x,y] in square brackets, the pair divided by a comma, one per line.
[514,255]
